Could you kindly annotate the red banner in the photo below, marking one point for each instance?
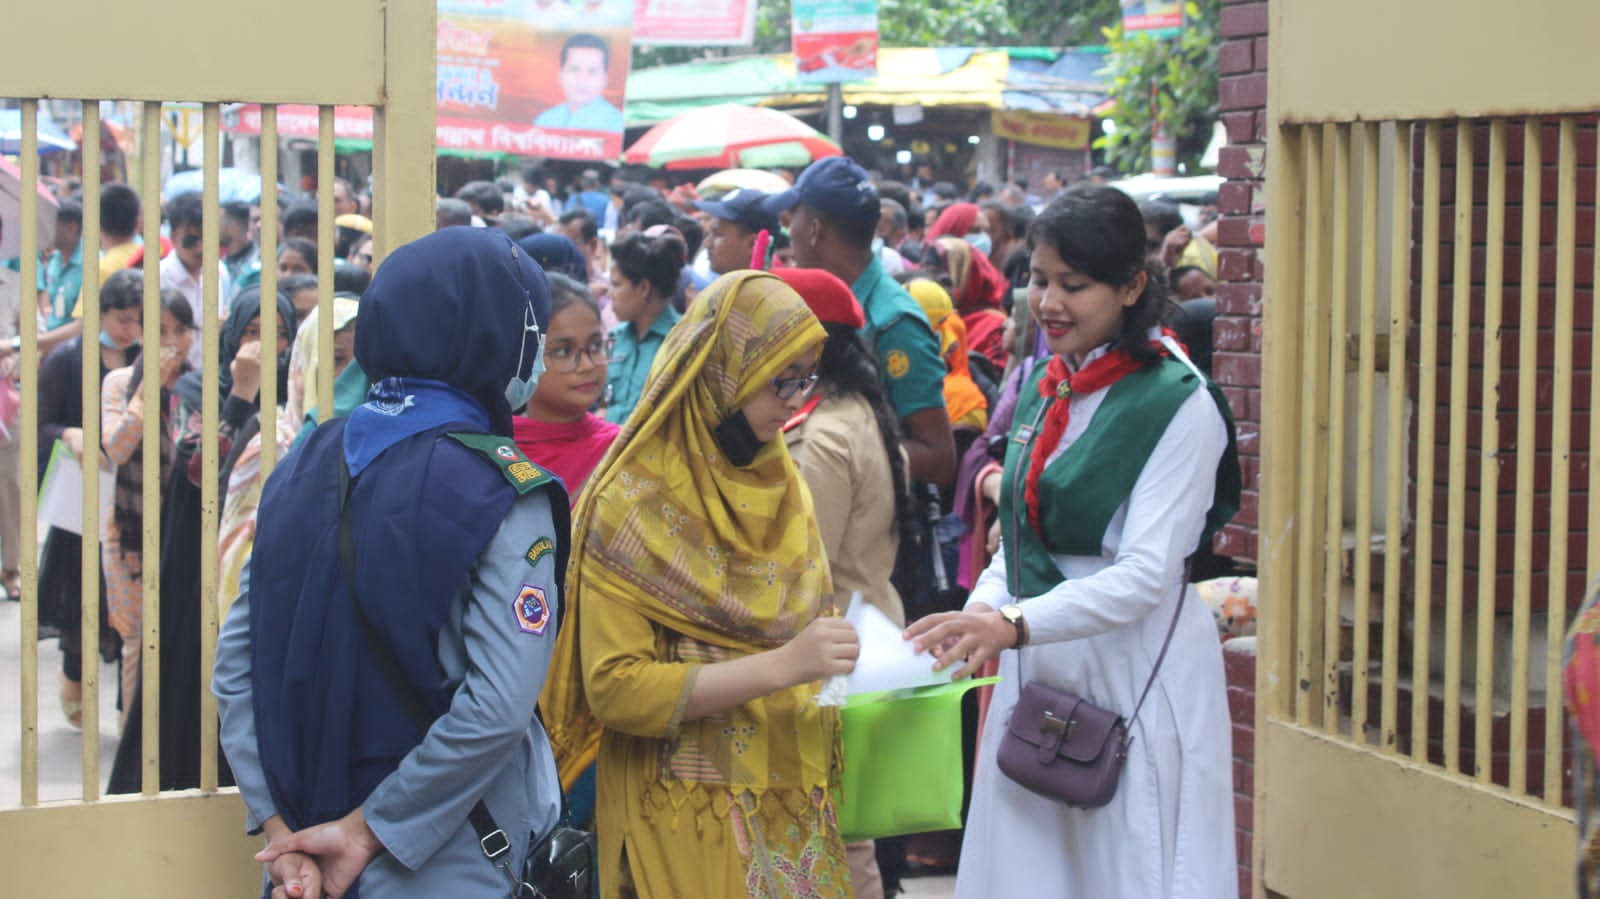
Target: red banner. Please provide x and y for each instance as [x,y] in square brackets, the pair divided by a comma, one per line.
[700,23]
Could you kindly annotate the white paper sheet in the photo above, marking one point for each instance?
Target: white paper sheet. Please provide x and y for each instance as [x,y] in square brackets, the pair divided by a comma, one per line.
[61,496]
[887,661]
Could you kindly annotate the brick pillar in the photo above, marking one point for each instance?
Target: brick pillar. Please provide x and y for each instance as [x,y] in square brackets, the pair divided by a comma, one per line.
[1239,662]
[1236,365]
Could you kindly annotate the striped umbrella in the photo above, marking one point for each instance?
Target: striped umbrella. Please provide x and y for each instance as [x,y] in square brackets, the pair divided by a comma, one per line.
[730,136]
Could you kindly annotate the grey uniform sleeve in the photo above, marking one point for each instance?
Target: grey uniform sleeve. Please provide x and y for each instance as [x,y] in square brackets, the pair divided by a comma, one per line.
[508,638]
[232,685]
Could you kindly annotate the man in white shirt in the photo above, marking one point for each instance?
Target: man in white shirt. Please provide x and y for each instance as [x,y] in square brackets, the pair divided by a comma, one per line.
[185,265]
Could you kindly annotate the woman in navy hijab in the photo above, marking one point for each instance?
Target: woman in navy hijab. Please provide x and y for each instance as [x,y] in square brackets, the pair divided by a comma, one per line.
[458,548]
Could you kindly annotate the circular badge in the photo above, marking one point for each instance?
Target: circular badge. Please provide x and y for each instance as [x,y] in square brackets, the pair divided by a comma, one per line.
[506,453]
[898,364]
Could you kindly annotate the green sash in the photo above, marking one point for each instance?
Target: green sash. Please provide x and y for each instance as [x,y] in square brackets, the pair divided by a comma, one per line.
[1080,491]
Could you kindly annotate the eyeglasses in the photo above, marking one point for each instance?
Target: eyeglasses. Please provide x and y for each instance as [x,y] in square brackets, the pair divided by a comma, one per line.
[788,387]
[569,357]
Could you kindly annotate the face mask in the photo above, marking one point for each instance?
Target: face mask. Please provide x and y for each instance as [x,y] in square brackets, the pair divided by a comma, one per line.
[110,343]
[980,242]
[877,245]
[738,440]
[519,390]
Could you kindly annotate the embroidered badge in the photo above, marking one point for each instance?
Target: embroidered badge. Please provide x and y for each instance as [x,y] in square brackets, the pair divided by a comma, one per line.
[507,453]
[522,471]
[542,547]
[1024,434]
[533,612]
[898,364]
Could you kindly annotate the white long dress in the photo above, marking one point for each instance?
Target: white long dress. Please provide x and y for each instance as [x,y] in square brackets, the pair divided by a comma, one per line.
[1169,832]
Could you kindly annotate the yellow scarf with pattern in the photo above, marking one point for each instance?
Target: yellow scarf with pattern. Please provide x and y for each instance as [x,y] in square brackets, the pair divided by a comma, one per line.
[725,556]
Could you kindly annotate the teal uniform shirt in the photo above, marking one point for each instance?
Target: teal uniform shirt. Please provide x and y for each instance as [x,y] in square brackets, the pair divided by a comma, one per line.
[62,281]
[596,115]
[630,363]
[899,335]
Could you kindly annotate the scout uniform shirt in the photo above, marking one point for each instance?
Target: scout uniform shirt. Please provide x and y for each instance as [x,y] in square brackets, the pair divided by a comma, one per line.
[899,336]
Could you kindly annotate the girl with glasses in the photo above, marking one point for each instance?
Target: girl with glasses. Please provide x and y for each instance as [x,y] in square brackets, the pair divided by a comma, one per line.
[557,429]
[700,599]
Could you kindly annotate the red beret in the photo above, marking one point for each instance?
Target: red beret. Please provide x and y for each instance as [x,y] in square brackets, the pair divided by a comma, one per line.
[830,299]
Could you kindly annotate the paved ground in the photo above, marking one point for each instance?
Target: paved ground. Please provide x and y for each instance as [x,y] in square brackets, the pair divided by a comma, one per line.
[931,887]
[60,745]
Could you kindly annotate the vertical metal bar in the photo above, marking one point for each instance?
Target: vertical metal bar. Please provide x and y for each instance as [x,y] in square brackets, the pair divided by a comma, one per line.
[1281,345]
[1456,504]
[28,451]
[150,561]
[210,510]
[1560,452]
[325,241]
[404,126]
[1427,446]
[1306,538]
[1489,443]
[89,560]
[269,285]
[380,180]
[1527,436]
[1339,325]
[1395,452]
[1366,392]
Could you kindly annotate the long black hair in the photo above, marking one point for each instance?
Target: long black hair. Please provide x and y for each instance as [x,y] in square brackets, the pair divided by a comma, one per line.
[845,368]
[1098,231]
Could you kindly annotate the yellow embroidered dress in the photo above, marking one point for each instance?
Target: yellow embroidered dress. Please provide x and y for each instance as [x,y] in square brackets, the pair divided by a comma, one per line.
[686,560]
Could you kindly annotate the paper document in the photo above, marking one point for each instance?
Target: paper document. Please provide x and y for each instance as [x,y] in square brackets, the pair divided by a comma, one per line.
[61,495]
[887,661]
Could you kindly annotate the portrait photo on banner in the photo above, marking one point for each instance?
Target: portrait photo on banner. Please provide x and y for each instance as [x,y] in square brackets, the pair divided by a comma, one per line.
[534,77]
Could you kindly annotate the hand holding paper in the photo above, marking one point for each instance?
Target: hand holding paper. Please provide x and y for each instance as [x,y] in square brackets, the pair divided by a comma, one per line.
[887,661]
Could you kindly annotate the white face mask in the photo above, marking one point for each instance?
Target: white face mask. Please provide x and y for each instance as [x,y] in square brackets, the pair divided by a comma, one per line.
[519,389]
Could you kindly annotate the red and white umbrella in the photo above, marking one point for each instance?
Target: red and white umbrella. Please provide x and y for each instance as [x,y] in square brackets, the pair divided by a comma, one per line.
[731,136]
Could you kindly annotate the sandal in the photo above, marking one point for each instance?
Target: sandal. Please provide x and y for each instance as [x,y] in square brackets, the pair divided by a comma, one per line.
[72,701]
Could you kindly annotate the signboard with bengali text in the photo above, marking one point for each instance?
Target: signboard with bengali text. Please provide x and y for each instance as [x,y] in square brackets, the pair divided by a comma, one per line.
[835,40]
[701,23]
[1155,17]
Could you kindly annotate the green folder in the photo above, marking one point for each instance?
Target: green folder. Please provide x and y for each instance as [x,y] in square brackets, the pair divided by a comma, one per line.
[903,765]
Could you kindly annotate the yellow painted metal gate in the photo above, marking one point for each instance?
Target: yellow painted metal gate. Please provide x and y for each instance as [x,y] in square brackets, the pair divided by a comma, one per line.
[368,53]
[1430,410]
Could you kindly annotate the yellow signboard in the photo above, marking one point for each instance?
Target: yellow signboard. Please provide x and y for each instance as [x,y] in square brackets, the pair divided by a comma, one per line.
[1065,132]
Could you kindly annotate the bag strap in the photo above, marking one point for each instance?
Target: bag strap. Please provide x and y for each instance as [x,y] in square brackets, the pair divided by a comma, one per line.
[491,839]
[1183,590]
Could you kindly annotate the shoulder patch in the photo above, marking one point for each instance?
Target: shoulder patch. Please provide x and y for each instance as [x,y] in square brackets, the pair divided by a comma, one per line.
[533,610]
[504,455]
[897,364]
[542,547]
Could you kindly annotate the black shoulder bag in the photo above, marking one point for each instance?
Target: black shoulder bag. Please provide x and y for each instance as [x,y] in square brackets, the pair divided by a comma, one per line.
[560,866]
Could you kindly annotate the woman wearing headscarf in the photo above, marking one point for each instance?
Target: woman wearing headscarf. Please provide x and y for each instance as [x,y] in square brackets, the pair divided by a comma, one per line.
[242,471]
[957,220]
[239,373]
[846,442]
[454,544]
[962,398]
[557,254]
[979,292]
[703,634]
[122,437]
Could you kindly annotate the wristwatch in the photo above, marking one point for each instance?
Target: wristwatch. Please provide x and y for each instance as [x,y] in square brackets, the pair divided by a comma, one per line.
[1013,613]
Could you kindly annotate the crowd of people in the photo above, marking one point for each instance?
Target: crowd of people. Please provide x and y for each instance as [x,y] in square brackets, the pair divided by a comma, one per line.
[640,445]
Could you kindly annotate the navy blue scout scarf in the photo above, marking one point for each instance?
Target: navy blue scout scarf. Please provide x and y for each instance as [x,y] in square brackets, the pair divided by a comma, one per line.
[440,331]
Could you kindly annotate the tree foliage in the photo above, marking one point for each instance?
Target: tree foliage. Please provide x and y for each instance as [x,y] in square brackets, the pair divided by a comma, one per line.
[1170,80]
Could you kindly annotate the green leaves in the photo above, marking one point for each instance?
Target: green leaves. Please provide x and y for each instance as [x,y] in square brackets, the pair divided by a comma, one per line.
[1167,80]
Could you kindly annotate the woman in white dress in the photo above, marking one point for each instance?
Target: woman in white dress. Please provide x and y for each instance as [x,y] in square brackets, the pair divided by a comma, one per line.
[1120,464]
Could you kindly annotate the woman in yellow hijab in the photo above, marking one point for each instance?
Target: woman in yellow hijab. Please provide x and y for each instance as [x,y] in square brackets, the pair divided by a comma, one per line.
[963,400]
[696,637]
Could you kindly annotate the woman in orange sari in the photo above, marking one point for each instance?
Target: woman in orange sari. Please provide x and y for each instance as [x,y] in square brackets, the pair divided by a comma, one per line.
[698,633]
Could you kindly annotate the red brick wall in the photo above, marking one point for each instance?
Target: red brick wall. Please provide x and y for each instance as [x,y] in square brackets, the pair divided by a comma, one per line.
[1236,365]
[1239,661]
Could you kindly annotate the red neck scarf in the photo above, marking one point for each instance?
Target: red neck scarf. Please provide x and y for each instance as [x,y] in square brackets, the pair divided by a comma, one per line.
[1059,385]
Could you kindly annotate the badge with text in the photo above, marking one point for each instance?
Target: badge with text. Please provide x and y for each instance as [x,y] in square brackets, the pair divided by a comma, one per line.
[542,547]
[533,611]
[898,364]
